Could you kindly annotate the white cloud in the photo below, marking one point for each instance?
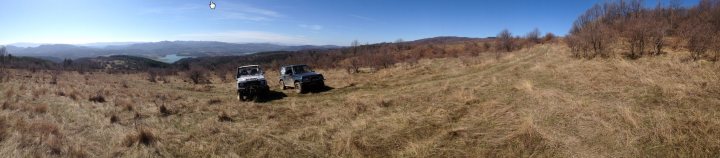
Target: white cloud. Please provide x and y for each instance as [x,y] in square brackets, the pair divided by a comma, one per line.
[236,11]
[245,37]
[172,10]
[259,11]
[241,16]
[312,27]
[224,10]
[362,17]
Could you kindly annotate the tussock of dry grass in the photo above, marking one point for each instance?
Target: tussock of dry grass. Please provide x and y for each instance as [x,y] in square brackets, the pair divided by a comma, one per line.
[536,102]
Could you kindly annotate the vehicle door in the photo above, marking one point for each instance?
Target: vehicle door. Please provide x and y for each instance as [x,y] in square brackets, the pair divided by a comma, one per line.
[287,76]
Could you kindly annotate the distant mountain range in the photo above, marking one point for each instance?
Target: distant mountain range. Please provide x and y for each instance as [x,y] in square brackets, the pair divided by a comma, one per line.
[152,50]
[447,39]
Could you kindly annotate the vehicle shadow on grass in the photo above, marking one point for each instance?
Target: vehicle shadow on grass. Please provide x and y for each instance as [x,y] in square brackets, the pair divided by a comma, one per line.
[270,96]
[320,89]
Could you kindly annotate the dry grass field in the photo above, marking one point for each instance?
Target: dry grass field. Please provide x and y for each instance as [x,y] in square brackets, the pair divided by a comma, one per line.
[536,102]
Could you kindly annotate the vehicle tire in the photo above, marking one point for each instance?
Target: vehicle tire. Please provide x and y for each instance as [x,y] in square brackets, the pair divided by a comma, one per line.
[254,98]
[298,87]
[282,85]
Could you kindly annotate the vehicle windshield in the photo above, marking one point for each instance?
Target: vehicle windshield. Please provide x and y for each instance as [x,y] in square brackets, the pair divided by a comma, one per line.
[301,69]
[248,71]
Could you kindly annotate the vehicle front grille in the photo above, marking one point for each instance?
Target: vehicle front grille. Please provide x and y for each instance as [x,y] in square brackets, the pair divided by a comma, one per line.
[252,83]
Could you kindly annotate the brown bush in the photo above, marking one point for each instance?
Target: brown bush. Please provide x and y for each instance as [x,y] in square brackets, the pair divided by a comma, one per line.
[164,111]
[142,136]
[114,119]
[8,106]
[223,117]
[214,101]
[40,108]
[152,76]
[4,127]
[197,76]
[74,95]
[54,77]
[505,41]
[99,98]
[533,36]
[549,37]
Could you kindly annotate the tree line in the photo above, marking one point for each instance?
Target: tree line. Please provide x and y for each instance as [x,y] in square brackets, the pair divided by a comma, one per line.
[628,29]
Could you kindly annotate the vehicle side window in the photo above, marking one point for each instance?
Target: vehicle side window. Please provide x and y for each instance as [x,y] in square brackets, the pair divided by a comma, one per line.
[288,71]
[237,75]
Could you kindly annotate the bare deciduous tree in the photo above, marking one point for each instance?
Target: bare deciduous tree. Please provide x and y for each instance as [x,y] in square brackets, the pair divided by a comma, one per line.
[505,41]
[533,36]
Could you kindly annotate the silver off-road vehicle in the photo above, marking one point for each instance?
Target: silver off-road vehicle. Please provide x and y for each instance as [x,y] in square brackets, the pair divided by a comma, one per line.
[250,82]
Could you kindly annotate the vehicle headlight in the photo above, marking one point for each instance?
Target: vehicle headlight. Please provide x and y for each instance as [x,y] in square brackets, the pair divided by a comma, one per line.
[305,79]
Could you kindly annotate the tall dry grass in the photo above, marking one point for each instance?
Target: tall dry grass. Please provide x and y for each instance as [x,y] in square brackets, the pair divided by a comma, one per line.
[536,102]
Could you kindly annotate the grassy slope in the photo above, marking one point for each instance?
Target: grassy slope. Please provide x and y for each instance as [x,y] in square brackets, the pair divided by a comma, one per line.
[536,102]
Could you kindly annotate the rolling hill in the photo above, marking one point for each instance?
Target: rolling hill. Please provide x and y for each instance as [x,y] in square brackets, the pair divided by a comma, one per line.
[154,50]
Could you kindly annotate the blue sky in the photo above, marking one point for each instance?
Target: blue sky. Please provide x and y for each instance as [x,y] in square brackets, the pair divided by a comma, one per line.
[290,22]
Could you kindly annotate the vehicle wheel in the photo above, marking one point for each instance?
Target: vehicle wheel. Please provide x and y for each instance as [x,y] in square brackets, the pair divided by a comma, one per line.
[298,87]
[282,84]
[253,98]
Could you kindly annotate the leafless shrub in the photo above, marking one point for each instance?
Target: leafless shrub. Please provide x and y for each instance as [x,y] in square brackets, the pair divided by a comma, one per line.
[533,36]
[164,111]
[214,101]
[143,136]
[637,37]
[77,152]
[54,77]
[114,119]
[10,93]
[223,117]
[4,127]
[8,106]
[152,75]
[54,144]
[125,85]
[549,37]
[505,41]
[99,98]
[74,95]
[590,41]
[60,93]
[197,76]
[3,74]
[40,108]
[39,92]
[385,103]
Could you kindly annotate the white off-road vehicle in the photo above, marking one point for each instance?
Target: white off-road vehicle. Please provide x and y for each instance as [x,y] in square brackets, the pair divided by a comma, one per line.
[251,82]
